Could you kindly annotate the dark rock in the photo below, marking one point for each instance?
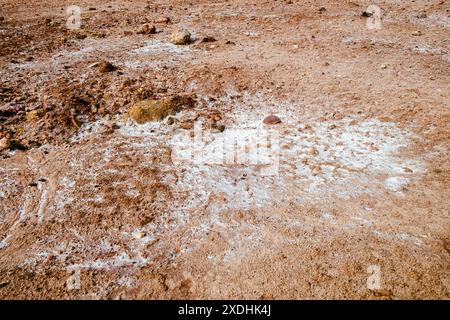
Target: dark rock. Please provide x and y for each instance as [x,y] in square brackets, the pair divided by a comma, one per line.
[209,39]
[105,66]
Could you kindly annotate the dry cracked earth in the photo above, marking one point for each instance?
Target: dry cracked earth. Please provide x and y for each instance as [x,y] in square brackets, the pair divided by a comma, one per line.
[94,205]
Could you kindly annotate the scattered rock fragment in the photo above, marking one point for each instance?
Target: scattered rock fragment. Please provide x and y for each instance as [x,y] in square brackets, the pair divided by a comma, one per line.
[105,66]
[2,19]
[217,128]
[209,39]
[163,20]
[322,10]
[314,152]
[272,119]
[140,235]
[147,29]
[4,283]
[422,15]
[180,37]
[367,14]
[156,110]
[417,33]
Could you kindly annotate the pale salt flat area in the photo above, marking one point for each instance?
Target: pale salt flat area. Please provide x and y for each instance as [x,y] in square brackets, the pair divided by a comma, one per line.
[158,47]
[438,19]
[346,157]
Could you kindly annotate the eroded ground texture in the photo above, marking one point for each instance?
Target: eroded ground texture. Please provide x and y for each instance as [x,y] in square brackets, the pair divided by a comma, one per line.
[93,205]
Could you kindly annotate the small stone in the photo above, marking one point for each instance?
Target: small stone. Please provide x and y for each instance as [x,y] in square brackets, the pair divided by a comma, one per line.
[422,15]
[322,10]
[113,126]
[209,39]
[4,283]
[180,37]
[105,66]
[170,120]
[272,119]
[163,20]
[5,142]
[2,18]
[367,14]
[139,235]
[417,33]
[408,170]
[383,66]
[314,152]
[217,128]
[147,29]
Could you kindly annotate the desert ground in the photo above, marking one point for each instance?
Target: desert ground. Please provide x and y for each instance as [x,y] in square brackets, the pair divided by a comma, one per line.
[95,204]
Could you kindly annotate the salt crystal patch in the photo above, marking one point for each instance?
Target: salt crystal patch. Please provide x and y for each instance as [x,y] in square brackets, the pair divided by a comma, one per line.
[396,183]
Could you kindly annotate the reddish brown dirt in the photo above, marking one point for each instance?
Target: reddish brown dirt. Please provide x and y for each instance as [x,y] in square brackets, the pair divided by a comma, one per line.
[94,206]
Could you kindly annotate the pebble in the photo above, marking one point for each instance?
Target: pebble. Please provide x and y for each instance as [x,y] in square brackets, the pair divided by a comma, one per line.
[147,29]
[272,119]
[417,33]
[314,152]
[163,20]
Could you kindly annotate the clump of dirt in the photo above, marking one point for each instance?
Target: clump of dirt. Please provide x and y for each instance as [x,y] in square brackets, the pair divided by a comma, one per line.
[156,110]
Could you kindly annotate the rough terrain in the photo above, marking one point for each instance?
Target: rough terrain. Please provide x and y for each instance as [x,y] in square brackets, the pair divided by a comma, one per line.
[95,206]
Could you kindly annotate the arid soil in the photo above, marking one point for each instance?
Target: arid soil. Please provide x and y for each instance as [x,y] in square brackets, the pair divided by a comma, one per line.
[95,206]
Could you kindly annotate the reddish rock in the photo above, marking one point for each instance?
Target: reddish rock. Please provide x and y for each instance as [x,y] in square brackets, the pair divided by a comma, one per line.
[271,120]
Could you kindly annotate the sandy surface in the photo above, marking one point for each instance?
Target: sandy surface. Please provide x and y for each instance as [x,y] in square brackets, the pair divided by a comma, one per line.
[93,205]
